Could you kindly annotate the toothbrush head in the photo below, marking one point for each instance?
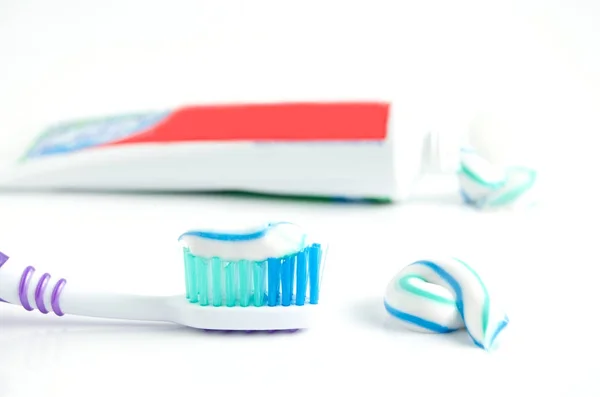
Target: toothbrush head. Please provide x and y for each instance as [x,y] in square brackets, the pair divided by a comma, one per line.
[266,277]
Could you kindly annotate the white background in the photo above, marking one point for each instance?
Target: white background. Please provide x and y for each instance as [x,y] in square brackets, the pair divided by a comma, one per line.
[533,67]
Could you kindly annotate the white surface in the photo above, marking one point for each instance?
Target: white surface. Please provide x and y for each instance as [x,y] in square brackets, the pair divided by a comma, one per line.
[541,265]
[531,66]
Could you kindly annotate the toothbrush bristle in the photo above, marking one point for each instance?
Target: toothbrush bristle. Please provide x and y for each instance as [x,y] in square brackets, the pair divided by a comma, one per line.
[291,280]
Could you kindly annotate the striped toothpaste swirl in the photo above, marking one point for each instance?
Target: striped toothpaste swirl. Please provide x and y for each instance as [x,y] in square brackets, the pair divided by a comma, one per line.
[485,185]
[441,296]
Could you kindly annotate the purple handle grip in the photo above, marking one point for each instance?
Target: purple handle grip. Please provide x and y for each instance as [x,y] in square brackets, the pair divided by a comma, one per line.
[39,290]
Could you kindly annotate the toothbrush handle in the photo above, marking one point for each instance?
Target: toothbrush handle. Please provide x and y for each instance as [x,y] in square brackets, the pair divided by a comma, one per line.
[24,285]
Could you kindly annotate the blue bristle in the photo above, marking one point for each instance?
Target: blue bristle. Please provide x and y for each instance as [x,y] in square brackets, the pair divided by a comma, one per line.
[274,280]
[287,280]
[314,262]
[301,278]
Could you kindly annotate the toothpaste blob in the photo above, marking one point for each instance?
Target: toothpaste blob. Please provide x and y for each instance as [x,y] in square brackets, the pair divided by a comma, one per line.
[484,185]
[271,240]
[443,296]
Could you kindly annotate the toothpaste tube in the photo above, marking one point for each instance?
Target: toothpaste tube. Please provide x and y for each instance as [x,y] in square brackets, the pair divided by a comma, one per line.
[350,150]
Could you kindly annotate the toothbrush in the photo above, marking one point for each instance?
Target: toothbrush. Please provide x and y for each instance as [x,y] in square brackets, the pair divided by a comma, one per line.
[264,278]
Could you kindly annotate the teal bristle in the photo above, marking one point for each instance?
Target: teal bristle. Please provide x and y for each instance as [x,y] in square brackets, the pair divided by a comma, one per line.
[286,281]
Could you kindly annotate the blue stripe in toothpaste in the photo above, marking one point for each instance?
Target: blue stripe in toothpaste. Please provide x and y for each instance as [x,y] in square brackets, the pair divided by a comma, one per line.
[272,240]
[441,296]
